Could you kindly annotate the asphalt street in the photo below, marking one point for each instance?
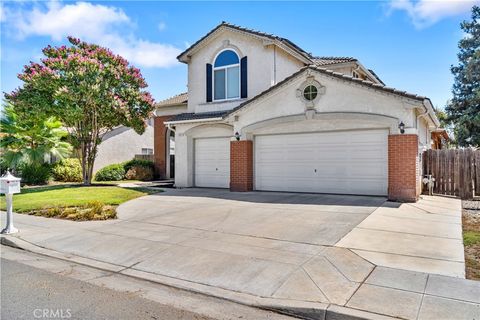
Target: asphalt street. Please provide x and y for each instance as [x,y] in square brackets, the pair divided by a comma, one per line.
[31,293]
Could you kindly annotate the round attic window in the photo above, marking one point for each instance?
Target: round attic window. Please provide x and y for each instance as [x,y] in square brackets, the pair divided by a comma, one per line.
[310,92]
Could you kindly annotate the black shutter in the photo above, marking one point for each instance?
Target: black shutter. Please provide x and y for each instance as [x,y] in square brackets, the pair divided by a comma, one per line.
[209,82]
[243,77]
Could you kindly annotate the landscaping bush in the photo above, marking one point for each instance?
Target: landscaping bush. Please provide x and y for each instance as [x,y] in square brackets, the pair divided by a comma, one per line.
[67,170]
[139,173]
[113,172]
[3,166]
[94,210]
[138,163]
[35,173]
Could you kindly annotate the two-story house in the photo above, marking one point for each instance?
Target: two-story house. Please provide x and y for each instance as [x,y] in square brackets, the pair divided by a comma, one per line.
[263,114]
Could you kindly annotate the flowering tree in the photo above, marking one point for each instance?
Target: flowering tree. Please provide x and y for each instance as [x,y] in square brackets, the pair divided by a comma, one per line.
[90,89]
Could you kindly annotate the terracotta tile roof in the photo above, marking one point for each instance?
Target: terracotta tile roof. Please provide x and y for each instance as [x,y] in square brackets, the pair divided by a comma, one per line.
[323,61]
[180,98]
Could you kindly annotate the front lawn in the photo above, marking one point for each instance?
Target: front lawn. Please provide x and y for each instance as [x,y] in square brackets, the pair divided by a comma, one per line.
[471,238]
[88,201]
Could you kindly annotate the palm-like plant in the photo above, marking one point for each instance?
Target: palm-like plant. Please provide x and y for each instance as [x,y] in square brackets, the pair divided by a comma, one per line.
[28,139]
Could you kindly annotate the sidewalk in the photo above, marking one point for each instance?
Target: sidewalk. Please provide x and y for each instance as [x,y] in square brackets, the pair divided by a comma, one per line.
[314,281]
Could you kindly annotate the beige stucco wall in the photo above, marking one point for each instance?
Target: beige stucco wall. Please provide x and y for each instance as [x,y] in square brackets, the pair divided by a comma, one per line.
[122,144]
[262,71]
[340,97]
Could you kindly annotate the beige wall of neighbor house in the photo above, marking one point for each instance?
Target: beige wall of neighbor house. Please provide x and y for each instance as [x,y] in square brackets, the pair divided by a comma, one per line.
[265,65]
[122,144]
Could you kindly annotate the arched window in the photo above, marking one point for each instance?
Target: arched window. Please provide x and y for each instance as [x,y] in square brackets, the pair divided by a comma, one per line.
[226,76]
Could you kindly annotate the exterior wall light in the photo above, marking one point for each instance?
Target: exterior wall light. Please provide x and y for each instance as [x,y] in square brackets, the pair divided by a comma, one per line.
[237,136]
[401,126]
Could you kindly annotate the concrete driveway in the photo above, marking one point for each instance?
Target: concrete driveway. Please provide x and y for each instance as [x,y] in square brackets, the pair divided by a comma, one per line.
[280,250]
[298,218]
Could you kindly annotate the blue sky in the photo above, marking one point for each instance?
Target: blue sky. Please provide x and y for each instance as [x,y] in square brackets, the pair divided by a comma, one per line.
[409,44]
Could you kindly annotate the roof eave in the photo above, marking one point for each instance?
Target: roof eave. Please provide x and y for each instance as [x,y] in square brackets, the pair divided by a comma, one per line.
[284,44]
[427,103]
[194,120]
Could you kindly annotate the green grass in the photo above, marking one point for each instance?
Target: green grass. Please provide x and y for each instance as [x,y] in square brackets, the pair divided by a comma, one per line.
[115,181]
[471,238]
[72,195]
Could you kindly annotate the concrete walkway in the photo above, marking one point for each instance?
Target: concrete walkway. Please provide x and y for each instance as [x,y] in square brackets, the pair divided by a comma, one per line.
[273,250]
[425,236]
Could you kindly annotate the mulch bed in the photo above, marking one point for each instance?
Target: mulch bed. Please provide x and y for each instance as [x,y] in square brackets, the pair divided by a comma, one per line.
[471,225]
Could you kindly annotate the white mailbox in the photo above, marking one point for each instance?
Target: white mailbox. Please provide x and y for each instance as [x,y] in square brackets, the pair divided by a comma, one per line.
[9,184]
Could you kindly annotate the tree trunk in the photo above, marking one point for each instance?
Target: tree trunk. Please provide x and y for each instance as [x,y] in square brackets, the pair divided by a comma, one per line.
[84,160]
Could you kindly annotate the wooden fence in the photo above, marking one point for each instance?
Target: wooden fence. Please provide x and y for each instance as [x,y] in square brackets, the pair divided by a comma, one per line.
[456,171]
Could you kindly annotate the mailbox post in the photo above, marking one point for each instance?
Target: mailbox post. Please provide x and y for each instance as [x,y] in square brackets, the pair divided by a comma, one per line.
[9,185]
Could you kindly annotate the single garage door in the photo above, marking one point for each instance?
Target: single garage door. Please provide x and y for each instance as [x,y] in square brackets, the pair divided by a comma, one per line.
[212,162]
[344,162]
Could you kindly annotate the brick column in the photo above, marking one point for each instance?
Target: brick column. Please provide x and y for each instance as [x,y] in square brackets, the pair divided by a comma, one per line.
[241,165]
[403,167]
[160,146]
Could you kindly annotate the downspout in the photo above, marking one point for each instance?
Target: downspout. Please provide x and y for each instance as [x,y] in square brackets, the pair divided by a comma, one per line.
[274,65]
[422,115]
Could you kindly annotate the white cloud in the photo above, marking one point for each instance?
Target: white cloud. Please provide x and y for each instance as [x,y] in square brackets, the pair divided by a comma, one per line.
[104,25]
[424,13]
[162,26]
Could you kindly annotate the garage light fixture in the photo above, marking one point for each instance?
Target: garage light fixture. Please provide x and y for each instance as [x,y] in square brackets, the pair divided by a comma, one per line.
[237,136]
[401,126]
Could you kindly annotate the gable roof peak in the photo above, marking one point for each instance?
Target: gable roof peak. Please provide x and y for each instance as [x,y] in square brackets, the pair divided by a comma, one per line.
[224,24]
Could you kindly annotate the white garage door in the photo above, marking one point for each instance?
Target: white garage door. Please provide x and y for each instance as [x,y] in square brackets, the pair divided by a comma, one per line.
[212,162]
[345,162]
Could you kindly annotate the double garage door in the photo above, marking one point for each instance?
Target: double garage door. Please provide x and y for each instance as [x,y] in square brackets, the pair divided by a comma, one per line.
[344,162]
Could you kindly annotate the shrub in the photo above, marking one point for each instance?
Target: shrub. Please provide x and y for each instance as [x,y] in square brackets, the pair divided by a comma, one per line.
[113,172]
[139,173]
[3,166]
[35,173]
[138,163]
[94,210]
[67,170]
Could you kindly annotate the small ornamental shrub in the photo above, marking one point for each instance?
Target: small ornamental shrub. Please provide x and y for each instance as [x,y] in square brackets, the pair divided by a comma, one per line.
[67,170]
[138,163]
[113,172]
[94,210]
[35,174]
[139,173]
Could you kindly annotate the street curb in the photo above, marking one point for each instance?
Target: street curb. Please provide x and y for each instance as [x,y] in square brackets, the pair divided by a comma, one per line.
[301,309]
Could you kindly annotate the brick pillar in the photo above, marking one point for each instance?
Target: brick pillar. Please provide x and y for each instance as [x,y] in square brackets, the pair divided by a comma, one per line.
[403,174]
[241,165]
[160,146]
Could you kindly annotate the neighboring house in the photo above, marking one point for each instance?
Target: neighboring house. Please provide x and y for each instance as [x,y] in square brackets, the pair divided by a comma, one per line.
[122,144]
[303,123]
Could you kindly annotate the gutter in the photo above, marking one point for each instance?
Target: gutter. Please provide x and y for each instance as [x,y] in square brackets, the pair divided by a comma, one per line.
[193,121]
[427,104]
